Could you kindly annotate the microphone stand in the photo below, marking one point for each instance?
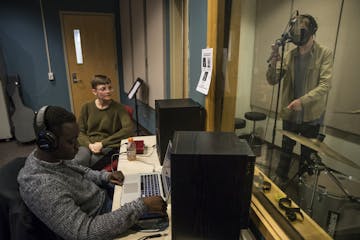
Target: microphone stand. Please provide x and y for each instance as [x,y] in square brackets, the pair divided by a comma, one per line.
[137,117]
[132,94]
[282,43]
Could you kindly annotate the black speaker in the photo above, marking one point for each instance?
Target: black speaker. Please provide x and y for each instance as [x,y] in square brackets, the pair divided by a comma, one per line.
[176,114]
[45,139]
[211,183]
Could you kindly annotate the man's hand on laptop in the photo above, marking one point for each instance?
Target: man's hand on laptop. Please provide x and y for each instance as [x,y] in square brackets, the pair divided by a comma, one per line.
[117,177]
[155,204]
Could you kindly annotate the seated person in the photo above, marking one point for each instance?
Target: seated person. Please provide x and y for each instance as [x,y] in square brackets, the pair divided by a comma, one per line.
[103,124]
[71,199]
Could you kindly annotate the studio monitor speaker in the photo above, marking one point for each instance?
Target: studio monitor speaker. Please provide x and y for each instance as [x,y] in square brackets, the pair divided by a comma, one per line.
[176,115]
[211,185]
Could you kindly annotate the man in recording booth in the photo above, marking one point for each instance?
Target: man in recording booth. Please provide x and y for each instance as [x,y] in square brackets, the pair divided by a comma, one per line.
[307,72]
[73,200]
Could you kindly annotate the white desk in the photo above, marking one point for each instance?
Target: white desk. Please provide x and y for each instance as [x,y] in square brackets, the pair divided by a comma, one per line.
[144,163]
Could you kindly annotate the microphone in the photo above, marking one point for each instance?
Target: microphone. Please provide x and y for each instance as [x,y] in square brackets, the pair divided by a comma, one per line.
[277,43]
[295,31]
[288,35]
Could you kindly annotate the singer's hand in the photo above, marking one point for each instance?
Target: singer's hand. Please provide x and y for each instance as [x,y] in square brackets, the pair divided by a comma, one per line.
[275,56]
[295,105]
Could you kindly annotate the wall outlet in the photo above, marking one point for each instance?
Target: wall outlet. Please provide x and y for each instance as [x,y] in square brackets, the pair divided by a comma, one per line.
[51,76]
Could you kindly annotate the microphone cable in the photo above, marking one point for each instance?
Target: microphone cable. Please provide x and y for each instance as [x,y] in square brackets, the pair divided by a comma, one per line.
[153,236]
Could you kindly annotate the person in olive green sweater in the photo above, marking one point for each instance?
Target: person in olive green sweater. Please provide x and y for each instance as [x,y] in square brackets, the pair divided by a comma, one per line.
[103,124]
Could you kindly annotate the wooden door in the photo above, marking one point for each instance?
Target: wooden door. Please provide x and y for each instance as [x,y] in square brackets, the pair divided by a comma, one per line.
[97,38]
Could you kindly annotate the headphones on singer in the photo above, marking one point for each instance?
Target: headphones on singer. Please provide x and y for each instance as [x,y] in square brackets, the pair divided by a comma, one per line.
[313,26]
[290,212]
[45,139]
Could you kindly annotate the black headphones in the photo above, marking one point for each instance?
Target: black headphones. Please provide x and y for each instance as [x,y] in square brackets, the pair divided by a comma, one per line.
[313,26]
[285,204]
[45,139]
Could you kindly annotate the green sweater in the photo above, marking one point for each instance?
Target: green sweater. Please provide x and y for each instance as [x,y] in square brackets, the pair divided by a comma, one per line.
[108,126]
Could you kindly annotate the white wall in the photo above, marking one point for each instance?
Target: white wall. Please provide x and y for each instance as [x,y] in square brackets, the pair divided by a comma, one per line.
[246,59]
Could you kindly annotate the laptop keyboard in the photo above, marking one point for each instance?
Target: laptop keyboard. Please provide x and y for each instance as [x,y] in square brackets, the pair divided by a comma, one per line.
[150,185]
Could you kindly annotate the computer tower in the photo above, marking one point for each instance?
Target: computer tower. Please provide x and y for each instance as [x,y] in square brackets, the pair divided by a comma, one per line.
[211,185]
[176,114]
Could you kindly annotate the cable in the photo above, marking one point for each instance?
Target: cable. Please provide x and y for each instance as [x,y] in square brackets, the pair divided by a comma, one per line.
[270,107]
[151,164]
[112,160]
[149,154]
[153,236]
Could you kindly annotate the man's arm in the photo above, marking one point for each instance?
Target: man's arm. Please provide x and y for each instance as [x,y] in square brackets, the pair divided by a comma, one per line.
[58,210]
[98,177]
[273,71]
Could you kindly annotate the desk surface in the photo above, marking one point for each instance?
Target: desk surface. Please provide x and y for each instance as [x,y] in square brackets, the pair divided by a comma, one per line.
[262,219]
[146,162]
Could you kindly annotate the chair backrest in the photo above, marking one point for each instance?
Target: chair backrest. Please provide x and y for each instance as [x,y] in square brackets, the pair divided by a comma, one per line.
[16,220]
[130,110]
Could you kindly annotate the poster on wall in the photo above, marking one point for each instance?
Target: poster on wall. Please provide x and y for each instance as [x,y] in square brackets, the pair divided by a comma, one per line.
[206,70]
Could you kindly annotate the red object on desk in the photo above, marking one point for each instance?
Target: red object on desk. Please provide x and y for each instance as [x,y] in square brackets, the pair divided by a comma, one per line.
[139,150]
[110,167]
[139,146]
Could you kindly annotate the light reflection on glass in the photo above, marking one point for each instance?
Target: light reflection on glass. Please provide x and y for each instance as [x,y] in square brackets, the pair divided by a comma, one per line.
[78,50]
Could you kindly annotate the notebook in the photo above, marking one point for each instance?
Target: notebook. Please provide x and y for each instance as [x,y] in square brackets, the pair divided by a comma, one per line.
[149,184]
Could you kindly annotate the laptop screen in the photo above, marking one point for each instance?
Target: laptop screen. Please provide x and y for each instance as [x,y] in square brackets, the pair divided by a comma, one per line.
[165,173]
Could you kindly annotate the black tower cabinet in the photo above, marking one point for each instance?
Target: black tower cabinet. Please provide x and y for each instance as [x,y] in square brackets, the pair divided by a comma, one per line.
[211,184]
[176,114]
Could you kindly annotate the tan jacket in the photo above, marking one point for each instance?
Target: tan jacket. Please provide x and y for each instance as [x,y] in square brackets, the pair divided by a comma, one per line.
[318,82]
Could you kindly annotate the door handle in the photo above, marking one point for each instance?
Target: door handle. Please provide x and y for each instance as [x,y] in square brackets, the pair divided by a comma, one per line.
[74,78]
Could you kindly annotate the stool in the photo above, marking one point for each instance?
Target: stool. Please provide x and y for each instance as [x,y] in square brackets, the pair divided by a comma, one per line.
[239,123]
[254,116]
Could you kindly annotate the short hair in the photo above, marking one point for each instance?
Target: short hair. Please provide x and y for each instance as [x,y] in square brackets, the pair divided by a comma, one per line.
[312,24]
[99,80]
[54,118]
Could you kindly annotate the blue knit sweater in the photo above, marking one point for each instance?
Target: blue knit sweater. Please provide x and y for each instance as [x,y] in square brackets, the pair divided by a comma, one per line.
[68,199]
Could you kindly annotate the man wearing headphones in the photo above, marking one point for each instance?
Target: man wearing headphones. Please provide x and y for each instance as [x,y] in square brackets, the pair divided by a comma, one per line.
[71,199]
[307,71]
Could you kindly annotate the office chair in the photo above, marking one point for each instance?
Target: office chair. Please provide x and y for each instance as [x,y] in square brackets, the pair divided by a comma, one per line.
[253,140]
[239,123]
[17,222]
[254,116]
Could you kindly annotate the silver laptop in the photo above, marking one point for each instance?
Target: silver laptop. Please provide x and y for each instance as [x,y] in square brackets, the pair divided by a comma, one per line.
[149,184]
